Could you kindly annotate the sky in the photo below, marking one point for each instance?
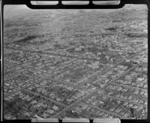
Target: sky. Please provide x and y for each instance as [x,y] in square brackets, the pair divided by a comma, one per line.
[16,10]
[11,11]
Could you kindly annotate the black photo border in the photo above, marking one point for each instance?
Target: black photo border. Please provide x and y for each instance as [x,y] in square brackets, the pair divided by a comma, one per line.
[60,6]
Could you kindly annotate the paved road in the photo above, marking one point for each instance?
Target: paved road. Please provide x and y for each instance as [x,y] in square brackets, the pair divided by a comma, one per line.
[37,94]
[89,95]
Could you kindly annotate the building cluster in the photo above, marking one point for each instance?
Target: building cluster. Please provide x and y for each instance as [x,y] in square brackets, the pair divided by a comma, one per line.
[47,84]
[89,66]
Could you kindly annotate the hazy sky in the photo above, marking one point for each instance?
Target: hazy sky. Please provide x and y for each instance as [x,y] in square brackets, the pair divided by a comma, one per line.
[15,10]
[18,10]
